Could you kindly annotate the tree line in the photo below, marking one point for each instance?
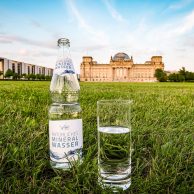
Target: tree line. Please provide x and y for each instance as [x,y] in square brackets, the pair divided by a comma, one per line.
[181,76]
[10,74]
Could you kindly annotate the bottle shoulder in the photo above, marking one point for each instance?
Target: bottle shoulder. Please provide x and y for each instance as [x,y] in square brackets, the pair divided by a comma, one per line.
[65,111]
[64,88]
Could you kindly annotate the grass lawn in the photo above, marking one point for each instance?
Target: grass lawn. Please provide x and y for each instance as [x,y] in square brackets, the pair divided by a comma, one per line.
[162,136]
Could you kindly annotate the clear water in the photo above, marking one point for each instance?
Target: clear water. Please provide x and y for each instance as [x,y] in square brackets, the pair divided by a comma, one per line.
[64,91]
[64,88]
[114,156]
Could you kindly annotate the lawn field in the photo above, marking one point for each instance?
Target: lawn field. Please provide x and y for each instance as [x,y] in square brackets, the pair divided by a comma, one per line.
[162,138]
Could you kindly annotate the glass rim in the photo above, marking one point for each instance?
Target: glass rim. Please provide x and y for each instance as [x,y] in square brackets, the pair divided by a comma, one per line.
[112,101]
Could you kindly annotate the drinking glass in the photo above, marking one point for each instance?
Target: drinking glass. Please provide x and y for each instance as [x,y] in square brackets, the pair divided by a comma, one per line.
[114,143]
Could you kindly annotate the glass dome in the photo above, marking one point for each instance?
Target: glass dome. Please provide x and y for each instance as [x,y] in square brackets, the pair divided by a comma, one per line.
[121,56]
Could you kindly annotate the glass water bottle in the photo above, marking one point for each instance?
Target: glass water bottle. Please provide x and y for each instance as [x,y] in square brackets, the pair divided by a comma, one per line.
[65,121]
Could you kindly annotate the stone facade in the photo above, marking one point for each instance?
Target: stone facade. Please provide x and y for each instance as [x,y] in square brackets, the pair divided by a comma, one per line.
[120,69]
[22,68]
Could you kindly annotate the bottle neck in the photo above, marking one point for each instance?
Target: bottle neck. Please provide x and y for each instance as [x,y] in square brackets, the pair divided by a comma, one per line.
[64,64]
[64,85]
[63,52]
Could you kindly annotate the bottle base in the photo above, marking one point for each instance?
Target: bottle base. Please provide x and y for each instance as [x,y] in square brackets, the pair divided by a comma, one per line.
[115,185]
[66,165]
[62,166]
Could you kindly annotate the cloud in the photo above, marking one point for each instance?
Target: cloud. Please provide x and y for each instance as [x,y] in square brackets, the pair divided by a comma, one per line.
[186,25]
[96,34]
[172,32]
[171,39]
[188,42]
[51,31]
[38,56]
[11,39]
[89,47]
[23,52]
[5,41]
[113,12]
[180,4]
[181,50]
[34,53]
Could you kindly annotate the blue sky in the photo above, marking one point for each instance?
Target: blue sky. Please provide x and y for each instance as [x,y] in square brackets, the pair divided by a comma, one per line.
[101,28]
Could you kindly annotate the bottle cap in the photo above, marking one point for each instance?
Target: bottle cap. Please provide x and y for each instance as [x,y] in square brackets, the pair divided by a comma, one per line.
[63,42]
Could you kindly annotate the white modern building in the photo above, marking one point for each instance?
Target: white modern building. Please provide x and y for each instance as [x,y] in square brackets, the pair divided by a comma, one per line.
[22,68]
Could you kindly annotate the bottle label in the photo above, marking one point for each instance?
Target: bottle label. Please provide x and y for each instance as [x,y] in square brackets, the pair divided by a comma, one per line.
[64,66]
[65,139]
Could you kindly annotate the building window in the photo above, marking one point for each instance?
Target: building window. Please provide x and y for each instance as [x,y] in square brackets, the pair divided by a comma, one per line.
[13,67]
[39,70]
[33,69]
[43,71]
[28,70]
[19,69]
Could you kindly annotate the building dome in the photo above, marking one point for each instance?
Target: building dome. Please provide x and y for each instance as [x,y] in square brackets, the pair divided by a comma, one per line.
[121,56]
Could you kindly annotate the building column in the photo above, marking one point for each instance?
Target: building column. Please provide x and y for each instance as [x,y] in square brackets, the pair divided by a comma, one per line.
[124,73]
[128,74]
[5,65]
[16,67]
[23,68]
[116,73]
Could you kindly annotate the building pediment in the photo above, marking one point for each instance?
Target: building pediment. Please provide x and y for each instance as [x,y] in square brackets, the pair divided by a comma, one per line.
[121,63]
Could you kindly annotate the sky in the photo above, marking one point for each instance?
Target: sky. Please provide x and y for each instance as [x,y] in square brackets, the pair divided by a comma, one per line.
[29,30]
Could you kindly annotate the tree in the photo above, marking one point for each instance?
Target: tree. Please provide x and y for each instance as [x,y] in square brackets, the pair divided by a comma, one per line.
[42,77]
[29,76]
[160,75]
[24,75]
[180,77]
[15,76]
[48,77]
[182,71]
[9,73]
[172,77]
[38,76]
[182,74]
[189,76]
[33,76]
